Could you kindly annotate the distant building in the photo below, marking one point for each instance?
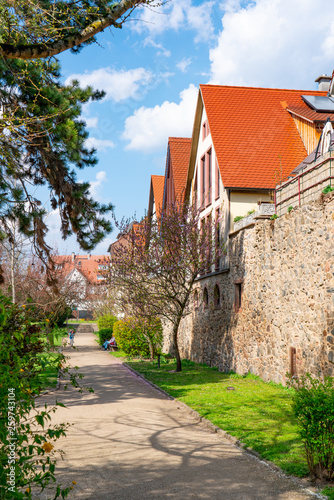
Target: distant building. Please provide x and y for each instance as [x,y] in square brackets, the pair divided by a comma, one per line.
[85,273]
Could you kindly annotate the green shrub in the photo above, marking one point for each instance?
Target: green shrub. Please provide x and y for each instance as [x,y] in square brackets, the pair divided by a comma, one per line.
[105,334]
[139,337]
[290,209]
[273,217]
[328,189]
[237,218]
[106,321]
[328,492]
[313,406]
[250,212]
[28,454]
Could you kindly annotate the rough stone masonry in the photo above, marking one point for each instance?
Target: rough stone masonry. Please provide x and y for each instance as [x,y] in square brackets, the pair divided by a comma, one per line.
[272,312]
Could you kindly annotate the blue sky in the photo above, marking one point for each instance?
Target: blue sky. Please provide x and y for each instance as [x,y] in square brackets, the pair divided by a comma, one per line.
[151,70]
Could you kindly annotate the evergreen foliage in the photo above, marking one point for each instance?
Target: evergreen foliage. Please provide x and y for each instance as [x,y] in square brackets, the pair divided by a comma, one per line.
[42,138]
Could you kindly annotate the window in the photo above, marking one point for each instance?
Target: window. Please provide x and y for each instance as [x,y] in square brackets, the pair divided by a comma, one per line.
[79,263]
[103,267]
[209,176]
[293,362]
[209,243]
[205,130]
[237,295]
[216,296]
[217,242]
[203,180]
[195,192]
[202,271]
[205,297]
[217,185]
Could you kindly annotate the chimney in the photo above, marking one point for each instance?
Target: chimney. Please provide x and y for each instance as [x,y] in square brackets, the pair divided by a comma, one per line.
[73,256]
[323,82]
[89,256]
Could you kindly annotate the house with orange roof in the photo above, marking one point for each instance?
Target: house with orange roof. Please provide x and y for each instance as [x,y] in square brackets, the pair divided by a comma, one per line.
[177,162]
[86,273]
[245,141]
[156,196]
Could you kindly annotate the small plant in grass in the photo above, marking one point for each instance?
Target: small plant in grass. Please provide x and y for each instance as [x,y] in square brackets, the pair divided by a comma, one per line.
[290,209]
[328,189]
[313,406]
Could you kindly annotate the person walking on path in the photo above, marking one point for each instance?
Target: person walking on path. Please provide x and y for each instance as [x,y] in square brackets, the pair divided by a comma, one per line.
[71,336]
[131,442]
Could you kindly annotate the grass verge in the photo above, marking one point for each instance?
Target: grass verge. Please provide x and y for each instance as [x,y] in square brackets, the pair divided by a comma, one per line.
[257,413]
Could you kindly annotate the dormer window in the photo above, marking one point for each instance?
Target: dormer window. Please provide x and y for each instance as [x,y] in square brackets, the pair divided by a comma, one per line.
[79,263]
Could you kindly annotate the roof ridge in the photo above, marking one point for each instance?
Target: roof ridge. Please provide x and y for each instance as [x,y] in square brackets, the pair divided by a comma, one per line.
[179,139]
[259,88]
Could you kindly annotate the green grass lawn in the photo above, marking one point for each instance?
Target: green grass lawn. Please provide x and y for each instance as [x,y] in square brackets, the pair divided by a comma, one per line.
[257,413]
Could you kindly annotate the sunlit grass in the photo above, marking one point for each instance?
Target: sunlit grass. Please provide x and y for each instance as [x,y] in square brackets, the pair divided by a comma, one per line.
[257,413]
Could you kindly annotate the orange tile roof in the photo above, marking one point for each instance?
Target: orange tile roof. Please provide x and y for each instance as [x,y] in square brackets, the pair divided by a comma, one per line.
[158,183]
[179,151]
[253,133]
[88,266]
[309,114]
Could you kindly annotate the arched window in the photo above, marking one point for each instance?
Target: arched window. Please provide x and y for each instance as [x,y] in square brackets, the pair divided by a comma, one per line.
[216,296]
[205,297]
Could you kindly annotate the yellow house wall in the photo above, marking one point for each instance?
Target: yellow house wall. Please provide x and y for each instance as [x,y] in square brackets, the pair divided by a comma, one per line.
[242,202]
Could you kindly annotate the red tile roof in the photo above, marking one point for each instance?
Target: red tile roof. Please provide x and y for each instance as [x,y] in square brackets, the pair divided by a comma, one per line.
[87,265]
[158,183]
[253,134]
[179,151]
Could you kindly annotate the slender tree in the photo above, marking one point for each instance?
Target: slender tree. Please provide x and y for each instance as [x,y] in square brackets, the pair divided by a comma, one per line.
[156,264]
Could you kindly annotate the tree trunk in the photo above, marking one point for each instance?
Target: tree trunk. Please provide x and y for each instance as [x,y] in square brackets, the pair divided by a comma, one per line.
[176,347]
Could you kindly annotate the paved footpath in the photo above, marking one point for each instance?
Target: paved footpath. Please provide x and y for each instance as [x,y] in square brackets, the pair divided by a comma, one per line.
[130,442]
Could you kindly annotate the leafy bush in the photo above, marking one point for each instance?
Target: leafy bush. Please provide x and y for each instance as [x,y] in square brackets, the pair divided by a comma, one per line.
[328,189]
[290,208]
[105,334]
[313,406]
[139,337]
[27,454]
[273,217]
[237,218]
[106,321]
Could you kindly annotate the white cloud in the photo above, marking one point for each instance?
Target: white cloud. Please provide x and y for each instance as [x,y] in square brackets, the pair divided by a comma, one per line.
[149,42]
[184,64]
[149,128]
[118,85]
[100,179]
[91,122]
[99,144]
[176,15]
[285,42]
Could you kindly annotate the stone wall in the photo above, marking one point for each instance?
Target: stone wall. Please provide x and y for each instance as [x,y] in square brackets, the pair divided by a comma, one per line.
[285,270]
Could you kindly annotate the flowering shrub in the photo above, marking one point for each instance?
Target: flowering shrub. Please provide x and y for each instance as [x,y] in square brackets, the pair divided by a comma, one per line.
[106,321]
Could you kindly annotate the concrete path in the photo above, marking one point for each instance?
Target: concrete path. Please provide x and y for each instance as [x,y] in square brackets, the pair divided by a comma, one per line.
[129,442]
